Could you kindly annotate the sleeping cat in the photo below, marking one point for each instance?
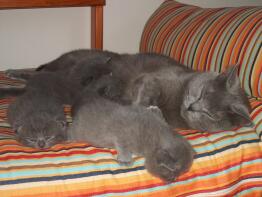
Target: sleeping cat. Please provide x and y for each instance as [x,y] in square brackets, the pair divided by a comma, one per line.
[130,130]
[193,100]
[188,99]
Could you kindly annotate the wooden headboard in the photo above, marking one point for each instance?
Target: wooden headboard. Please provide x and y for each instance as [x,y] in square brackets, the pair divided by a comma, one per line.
[96,12]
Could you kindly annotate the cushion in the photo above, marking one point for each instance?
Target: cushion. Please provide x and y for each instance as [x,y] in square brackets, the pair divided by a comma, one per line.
[209,39]
[226,164]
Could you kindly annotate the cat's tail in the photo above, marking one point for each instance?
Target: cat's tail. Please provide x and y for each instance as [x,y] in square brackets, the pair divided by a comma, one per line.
[11,92]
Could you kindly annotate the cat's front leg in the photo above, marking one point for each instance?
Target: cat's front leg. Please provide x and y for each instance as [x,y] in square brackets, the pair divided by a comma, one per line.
[124,156]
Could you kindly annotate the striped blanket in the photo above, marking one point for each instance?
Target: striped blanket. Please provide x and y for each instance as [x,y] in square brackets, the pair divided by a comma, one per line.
[226,164]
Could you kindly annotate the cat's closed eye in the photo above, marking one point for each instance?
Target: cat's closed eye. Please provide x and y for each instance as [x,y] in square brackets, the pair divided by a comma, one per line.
[49,138]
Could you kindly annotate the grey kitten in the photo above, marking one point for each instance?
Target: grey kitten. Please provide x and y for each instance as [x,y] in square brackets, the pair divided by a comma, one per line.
[43,98]
[37,116]
[131,130]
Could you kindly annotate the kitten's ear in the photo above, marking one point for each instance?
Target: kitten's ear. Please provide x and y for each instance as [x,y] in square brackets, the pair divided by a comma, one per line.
[107,60]
[232,80]
[243,113]
[165,160]
[62,123]
[18,129]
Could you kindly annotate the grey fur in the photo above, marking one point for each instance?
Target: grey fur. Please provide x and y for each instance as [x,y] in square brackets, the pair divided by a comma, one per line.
[37,116]
[34,115]
[151,79]
[131,130]
[188,99]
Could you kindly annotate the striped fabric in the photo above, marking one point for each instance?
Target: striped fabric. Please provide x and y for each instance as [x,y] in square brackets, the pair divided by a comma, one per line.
[226,164]
[209,39]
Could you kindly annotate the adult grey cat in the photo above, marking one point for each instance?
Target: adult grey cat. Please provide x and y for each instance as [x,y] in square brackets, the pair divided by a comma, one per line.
[188,99]
[131,130]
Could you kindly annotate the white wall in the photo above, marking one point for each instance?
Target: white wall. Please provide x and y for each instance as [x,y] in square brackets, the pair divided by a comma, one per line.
[31,37]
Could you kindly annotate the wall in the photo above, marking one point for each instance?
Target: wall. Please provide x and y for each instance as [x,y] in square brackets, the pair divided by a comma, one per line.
[29,38]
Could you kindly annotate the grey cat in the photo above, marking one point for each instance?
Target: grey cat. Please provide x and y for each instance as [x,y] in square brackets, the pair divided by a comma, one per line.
[191,100]
[131,130]
[188,99]
[37,116]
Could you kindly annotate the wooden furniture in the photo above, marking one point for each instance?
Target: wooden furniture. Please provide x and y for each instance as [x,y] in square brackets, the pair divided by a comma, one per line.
[96,12]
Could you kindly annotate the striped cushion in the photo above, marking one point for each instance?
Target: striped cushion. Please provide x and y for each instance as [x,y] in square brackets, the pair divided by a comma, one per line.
[226,164]
[209,39]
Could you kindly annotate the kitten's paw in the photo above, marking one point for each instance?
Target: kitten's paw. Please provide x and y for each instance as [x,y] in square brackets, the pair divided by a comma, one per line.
[124,161]
[11,73]
[19,74]
[153,107]
[156,110]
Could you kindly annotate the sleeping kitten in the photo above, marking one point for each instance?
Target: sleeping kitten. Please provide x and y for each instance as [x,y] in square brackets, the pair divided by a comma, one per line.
[37,116]
[131,130]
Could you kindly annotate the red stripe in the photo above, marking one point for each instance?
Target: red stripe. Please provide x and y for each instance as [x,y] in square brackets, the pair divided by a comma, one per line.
[238,190]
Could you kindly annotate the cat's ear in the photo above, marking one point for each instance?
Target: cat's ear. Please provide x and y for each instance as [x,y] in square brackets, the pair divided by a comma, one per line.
[230,78]
[243,113]
[233,82]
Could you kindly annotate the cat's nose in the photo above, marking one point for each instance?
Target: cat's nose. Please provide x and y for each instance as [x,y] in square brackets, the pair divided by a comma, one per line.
[41,144]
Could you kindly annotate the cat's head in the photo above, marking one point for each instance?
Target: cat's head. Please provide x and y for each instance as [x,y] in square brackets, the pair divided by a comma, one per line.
[216,102]
[41,131]
[171,160]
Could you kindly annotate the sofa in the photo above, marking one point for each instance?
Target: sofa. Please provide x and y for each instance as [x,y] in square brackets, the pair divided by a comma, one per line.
[227,163]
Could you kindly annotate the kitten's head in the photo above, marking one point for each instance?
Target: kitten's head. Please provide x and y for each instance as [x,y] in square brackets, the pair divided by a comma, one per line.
[108,86]
[216,102]
[171,159]
[41,131]
[89,70]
